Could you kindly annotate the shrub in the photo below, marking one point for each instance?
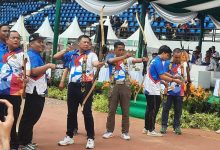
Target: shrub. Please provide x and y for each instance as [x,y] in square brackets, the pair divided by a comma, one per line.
[100,103]
[54,92]
[197,120]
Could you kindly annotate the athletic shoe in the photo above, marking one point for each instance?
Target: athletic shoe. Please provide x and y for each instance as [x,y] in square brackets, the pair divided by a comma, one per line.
[125,136]
[90,144]
[154,133]
[29,146]
[178,131]
[144,131]
[66,141]
[218,131]
[107,135]
[163,130]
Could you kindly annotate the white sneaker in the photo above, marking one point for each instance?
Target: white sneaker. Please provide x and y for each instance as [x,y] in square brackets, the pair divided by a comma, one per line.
[90,144]
[144,131]
[154,133]
[66,141]
[218,131]
[107,135]
[125,136]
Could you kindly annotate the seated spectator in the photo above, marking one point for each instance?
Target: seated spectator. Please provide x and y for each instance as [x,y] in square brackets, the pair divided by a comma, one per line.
[195,58]
[185,27]
[214,52]
[213,65]
[206,61]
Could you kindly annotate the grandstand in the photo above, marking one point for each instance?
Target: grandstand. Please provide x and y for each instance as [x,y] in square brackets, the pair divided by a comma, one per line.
[36,11]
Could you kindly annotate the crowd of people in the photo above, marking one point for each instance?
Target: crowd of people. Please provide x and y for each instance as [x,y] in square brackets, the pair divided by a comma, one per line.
[25,75]
[211,59]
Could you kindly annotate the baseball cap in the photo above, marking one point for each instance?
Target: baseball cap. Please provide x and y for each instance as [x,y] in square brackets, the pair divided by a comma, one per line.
[35,36]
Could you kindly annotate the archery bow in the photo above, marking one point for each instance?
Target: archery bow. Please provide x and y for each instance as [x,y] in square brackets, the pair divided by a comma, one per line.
[101,54]
[145,55]
[24,57]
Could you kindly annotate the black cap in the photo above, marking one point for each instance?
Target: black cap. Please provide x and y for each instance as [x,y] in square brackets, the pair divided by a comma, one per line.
[35,36]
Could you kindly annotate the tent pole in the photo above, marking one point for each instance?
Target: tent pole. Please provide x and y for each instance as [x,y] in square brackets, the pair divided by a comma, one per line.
[202,21]
[56,27]
[142,20]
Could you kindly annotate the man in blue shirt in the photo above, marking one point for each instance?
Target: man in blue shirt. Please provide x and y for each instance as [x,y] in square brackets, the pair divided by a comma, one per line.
[176,92]
[152,88]
[80,64]
[4,30]
[36,90]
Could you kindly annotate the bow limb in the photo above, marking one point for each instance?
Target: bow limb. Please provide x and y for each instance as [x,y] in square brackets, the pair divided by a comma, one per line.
[141,28]
[25,56]
[145,53]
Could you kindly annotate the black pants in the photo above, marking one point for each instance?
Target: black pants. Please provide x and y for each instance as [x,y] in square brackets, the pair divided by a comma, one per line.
[75,97]
[177,102]
[16,102]
[153,105]
[33,108]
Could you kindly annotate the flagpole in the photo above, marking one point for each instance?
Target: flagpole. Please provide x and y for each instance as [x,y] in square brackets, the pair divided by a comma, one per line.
[142,20]
[56,27]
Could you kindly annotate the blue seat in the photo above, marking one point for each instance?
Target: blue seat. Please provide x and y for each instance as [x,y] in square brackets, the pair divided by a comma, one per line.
[192,30]
[164,30]
[161,24]
[211,25]
[81,19]
[155,24]
[180,30]
[157,30]
[90,19]
[133,29]
[175,25]
[125,14]
[207,19]
[198,31]
[94,19]
[131,24]
[84,23]
[130,19]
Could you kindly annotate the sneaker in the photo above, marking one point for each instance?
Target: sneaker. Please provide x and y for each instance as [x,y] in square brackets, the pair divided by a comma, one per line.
[125,136]
[178,131]
[90,144]
[144,131]
[154,133]
[107,135]
[66,141]
[218,131]
[163,130]
[29,146]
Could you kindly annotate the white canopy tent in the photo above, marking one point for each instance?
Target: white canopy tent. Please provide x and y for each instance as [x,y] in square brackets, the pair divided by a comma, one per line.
[45,29]
[20,28]
[152,41]
[111,33]
[73,31]
[111,8]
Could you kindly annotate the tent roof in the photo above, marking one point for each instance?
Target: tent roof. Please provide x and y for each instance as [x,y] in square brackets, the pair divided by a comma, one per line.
[73,31]
[209,7]
[152,41]
[111,34]
[20,28]
[45,29]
